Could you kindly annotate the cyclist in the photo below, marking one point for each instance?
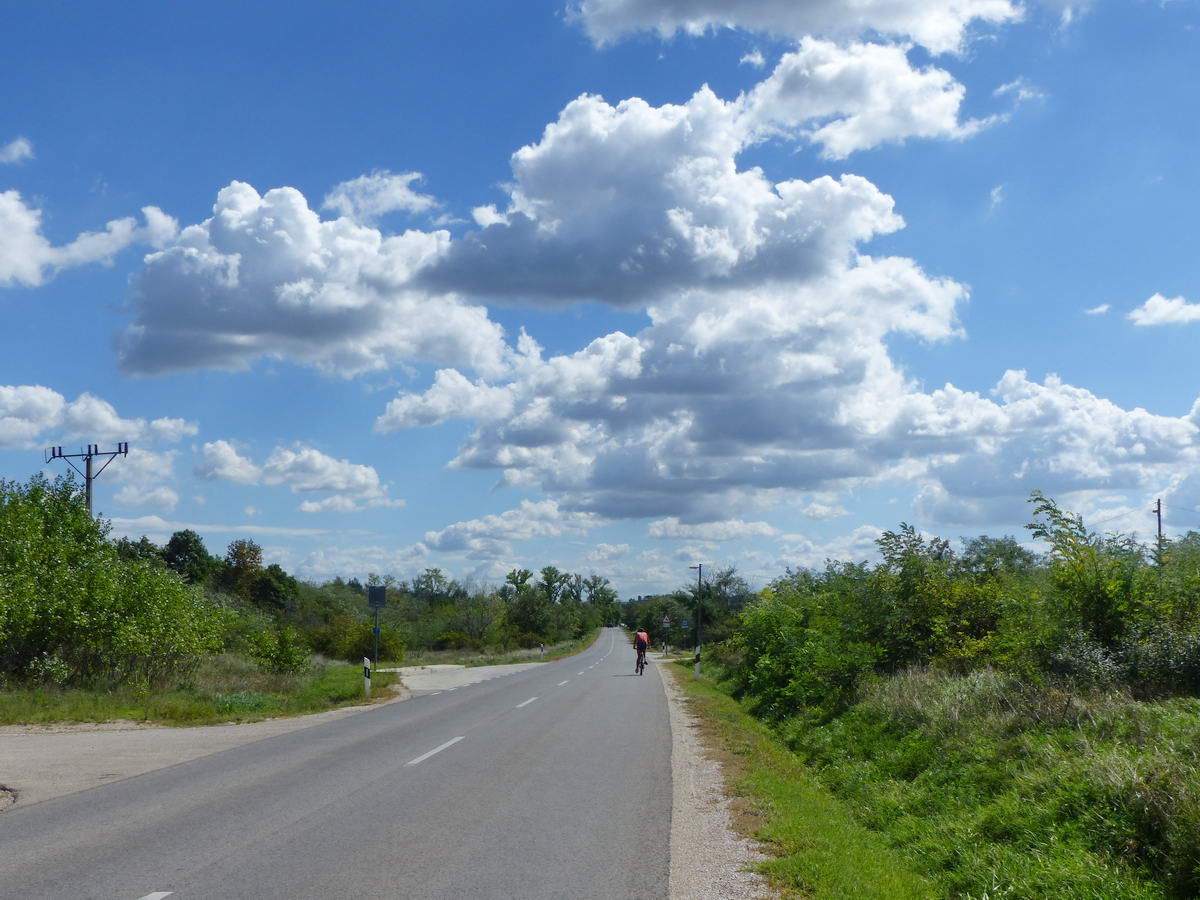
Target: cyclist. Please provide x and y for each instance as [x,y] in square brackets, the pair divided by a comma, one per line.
[641,640]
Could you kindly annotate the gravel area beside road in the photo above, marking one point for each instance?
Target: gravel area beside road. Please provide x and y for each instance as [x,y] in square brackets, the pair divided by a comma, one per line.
[428,679]
[709,859]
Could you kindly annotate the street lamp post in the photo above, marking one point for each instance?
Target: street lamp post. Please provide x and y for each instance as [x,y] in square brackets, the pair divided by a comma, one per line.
[699,567]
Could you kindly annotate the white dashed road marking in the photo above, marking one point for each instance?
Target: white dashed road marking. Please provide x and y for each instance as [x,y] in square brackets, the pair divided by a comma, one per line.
[425,756]
[157,895]
[526,703]
[561,683]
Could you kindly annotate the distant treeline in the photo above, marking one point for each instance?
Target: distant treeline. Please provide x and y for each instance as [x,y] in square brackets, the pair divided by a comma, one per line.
[77,607]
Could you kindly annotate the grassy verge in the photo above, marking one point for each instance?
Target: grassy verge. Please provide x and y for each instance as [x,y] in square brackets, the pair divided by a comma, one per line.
[497,657]
[226,688]
[992,787]
[1008,789]
[821,852]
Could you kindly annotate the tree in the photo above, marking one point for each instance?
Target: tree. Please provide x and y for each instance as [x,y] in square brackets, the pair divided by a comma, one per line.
[527,608]
[275,590]
[243,567]
[186,554]
[431,586]
[552,583]
[989,556]
[474,615]
[143,549]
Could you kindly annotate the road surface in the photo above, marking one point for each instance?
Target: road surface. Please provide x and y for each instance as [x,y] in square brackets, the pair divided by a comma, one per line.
[554,782]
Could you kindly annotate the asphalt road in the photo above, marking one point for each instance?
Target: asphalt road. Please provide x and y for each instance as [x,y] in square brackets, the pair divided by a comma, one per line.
[549,783]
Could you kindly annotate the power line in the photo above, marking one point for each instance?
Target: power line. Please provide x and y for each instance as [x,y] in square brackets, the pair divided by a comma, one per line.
[89,474]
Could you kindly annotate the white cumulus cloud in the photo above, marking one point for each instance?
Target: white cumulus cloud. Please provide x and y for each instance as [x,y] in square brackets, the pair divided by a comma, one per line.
[854,97]
[727,530]
[368,197]
[32,414]
[28,258]
[16,150]
[939,25]
[627,203]
[490,536]
[265,276]
[1160,310]
[352,486]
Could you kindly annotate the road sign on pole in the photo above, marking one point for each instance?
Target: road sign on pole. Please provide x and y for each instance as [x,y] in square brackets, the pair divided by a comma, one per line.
[377,600]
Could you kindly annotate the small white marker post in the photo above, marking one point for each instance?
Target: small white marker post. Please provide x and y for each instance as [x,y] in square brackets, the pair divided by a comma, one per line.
[366,676]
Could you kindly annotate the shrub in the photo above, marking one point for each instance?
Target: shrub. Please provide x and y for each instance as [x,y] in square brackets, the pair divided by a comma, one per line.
[349,639]
[456,640]
[66,594]
[1163,659]
[280,650]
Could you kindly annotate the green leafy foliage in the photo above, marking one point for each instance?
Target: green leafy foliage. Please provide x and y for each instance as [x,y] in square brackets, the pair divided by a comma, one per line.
[186,554]
[349,639]
[280,650]
[1020,726]
[74,609]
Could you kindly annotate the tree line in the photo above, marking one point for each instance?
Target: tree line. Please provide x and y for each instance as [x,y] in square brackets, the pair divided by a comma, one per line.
[1094,610]
[78,607]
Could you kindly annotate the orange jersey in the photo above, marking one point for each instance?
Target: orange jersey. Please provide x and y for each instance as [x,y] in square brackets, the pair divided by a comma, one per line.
[642,639]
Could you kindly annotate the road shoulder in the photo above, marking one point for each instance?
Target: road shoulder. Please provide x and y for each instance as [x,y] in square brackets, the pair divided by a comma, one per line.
[709,860]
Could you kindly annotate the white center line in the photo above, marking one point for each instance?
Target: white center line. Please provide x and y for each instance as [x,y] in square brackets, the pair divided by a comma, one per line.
[561,683]
[579,673]
[157,895]
[435,693]
[425,756]
[526,703]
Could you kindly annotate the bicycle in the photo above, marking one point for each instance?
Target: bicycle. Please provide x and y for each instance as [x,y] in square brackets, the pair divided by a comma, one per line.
[640,665]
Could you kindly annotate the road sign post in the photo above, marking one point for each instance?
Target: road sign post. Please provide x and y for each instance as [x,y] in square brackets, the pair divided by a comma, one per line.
[377,600]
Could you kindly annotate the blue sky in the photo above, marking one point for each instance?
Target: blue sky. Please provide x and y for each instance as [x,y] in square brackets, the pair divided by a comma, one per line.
[618,286]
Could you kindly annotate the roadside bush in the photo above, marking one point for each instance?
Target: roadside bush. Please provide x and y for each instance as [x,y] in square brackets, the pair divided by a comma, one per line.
[66,594]
[280,650]
[456,640]
[1163,660]
[349,639]
[1084,661]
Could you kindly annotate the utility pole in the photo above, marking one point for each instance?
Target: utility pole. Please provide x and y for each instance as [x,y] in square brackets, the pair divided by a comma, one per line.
[699,587]
[89,474]
[1159,545]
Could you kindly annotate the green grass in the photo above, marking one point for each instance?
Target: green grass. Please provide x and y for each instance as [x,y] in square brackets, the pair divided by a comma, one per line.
[1002,789]
[821,852]
[226,688]
[497,657]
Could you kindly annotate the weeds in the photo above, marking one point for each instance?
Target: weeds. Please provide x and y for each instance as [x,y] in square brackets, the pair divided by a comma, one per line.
[1006,788]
